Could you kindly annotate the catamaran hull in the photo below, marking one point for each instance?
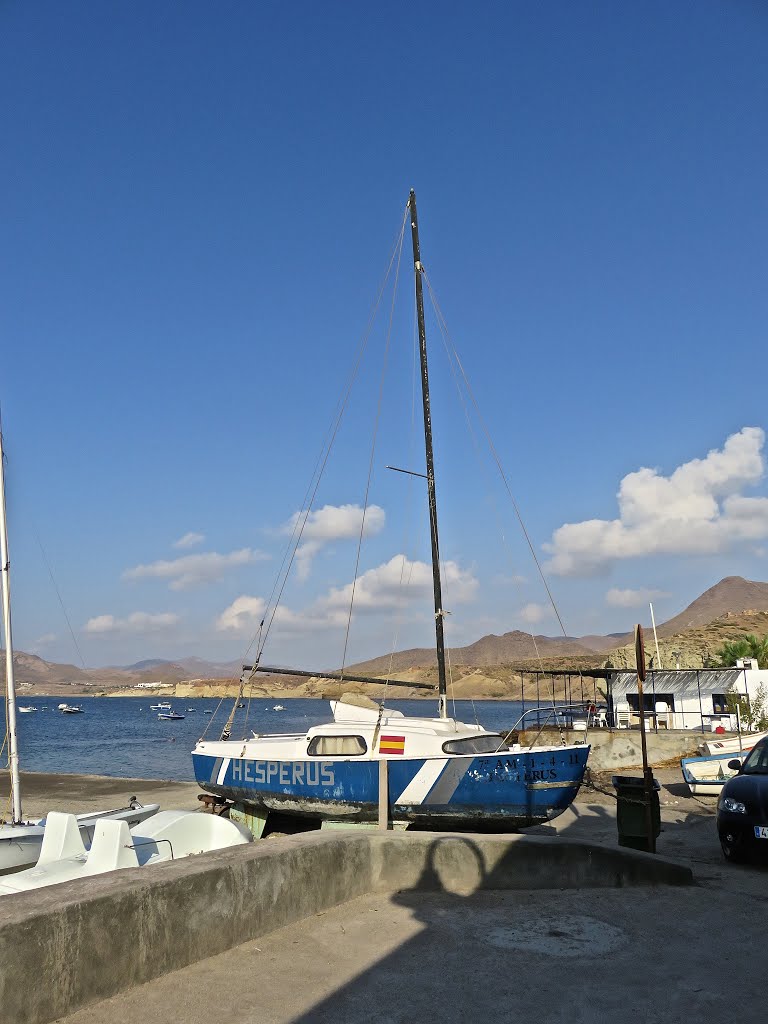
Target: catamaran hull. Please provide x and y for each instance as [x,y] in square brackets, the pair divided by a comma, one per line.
[506,790]
[20,844]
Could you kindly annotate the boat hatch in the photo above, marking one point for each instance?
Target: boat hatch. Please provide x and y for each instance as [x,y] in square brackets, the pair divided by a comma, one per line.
[326,746]
[487,744]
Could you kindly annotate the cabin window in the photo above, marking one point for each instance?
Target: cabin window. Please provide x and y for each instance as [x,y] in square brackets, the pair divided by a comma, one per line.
[488,744]
[328,746]
[720,704]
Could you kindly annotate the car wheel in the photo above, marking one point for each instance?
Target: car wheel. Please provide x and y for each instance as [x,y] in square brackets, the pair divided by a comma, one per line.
[733,848]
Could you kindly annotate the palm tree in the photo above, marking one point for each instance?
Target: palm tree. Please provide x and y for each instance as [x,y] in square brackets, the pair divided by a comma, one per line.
[748,646]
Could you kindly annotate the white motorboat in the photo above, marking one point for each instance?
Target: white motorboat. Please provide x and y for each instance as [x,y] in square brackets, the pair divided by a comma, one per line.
[170,716]
[21,840]
[26,711]
[167,836]
[162,706]
[278,707]
[70,709]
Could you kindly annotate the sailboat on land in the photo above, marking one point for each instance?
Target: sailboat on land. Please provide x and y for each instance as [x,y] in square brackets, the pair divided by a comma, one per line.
[20,840]
[440,772]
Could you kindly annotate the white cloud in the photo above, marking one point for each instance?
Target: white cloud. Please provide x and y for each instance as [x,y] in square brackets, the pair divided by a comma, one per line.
[136,622]
[332,522]
[697,510]
[243,614]
[533,613]
[396,583]
[632,598]
[189,540]
[194,570]
[43,641]
[400,580]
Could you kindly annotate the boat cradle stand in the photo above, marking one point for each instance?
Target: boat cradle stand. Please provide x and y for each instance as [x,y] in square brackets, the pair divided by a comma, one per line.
[263,825]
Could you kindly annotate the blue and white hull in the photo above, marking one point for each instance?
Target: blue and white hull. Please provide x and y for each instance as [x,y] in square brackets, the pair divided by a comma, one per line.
[510,787]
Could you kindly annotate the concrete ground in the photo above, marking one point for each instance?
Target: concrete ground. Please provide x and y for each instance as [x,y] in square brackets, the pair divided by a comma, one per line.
[660,955]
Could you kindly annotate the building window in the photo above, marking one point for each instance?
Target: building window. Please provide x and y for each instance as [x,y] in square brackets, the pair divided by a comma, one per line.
[348,746]
[650,700]
[720,704]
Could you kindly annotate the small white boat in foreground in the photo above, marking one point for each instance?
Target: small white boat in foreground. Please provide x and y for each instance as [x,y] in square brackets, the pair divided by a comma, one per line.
[70,709]
[167,836]
[26,711]
[20,845]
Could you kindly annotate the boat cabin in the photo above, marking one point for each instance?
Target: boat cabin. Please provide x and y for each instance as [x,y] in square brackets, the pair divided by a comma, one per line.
[362,732]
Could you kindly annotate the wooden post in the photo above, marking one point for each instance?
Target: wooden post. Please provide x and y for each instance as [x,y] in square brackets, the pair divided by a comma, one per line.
[383,794]
[647,772]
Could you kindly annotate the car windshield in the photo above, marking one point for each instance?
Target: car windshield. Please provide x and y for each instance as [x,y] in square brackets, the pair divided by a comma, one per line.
[757,760]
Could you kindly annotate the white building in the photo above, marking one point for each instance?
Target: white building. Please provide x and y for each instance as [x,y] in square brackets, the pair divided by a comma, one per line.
[683,698]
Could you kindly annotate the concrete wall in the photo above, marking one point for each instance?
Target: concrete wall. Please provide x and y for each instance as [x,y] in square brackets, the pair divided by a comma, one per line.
[620,748]
[73,944]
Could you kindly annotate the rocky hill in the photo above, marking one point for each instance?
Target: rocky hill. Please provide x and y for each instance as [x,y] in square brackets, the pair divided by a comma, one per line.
[733,594]
[488,667]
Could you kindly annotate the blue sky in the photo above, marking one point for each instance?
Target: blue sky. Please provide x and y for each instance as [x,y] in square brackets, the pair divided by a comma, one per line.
[198,203]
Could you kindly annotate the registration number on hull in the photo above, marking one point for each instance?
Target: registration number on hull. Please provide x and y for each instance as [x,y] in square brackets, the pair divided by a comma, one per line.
[761,831]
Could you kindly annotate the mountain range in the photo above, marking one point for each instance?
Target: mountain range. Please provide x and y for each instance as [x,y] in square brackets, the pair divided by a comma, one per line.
[732,606]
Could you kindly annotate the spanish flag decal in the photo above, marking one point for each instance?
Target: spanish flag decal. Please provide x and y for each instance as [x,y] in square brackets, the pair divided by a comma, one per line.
[392,745]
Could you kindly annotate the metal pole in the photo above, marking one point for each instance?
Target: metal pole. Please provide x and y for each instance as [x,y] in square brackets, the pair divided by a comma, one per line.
[647,771]
[439,639]
[10,682]
[653,687]
[701,706]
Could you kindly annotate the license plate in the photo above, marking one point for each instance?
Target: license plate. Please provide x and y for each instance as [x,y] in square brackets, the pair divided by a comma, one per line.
[761,831]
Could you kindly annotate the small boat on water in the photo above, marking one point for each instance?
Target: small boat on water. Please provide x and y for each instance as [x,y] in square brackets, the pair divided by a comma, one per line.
[70,709]
[167,836]
[27,711]
[170,716]
[191,709]
[162,706]
[278,707]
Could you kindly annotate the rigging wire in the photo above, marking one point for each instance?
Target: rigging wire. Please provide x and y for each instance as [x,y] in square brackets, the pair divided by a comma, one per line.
[300,520]
[337,424]
[377,421]
[497,460]
[453,356]
[400,611]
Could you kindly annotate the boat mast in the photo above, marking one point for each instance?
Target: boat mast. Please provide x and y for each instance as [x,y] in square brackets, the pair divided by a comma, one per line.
[10,684]
[439,614]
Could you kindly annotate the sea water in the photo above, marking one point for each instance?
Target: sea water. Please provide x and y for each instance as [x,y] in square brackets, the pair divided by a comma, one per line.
[122,737]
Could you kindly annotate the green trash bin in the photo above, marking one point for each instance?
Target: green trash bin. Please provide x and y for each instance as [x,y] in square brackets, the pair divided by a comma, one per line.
[630,811]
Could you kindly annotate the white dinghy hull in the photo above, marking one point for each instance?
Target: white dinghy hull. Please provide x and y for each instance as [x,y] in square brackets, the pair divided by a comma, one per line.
[20,845]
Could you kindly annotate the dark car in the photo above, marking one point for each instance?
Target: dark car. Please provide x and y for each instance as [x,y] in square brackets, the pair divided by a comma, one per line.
[742,810]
